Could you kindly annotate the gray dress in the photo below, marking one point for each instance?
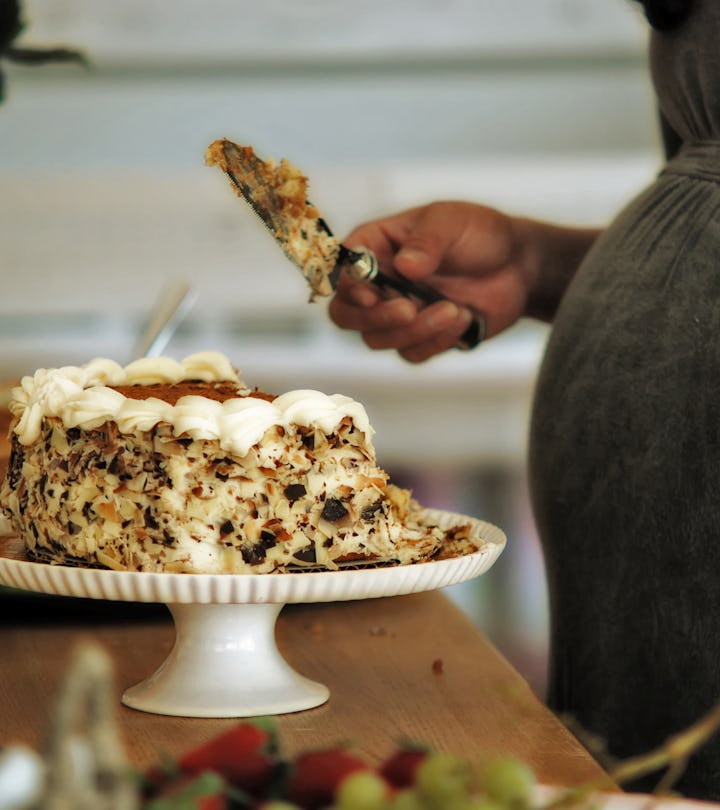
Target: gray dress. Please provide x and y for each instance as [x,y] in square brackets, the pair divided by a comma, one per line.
[625,442]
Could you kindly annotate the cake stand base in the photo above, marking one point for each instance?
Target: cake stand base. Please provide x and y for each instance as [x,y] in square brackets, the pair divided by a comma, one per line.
[225,663]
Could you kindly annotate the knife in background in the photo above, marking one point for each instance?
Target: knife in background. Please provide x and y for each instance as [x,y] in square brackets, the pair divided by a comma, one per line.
[176,299]
[276,192]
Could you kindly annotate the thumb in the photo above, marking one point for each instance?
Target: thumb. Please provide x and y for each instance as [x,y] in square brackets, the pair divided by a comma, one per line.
[426,242]
[417,259]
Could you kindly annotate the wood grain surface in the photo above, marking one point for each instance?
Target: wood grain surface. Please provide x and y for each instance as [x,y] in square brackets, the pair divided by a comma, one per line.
[410,667]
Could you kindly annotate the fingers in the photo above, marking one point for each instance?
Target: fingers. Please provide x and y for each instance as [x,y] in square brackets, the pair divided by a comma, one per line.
[462,250]
[397,323]
[428,238]
[433,330]
[413,242]
[382,237]
[360,308]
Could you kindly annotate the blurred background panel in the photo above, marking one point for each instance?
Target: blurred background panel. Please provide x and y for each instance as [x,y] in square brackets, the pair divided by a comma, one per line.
[542,107]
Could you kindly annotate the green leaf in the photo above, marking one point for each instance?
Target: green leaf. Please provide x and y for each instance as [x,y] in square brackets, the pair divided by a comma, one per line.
[269,725]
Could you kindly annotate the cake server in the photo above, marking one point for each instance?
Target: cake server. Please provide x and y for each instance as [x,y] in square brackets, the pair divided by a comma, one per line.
[277,194]
[173,304]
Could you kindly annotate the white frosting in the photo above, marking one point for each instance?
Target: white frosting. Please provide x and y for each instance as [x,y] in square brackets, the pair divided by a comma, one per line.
[142,414]
[81,397]
[91,407]
[244,422]
[306,408]
[198,417]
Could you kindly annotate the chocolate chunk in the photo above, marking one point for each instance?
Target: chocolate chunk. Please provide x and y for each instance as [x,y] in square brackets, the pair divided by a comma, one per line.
[253,554]
[333,510]
[227,460]
[72,528]
[73,434]
[295,491]
[17,459]
[150,521]
[306,554]
[267,539]
[369,512]
[227,528]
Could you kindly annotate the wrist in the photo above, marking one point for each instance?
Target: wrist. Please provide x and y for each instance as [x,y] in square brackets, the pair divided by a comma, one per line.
[552,257]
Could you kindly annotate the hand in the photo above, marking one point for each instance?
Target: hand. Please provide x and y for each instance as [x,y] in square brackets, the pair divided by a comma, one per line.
[475,256]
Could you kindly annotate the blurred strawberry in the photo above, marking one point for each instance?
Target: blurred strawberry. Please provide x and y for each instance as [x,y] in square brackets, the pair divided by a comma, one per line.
[400,768]
[316,775]
[206,792]
[213,803]
[243,756]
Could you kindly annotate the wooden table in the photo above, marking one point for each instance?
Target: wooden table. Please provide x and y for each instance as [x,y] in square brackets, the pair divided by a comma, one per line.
[407,667]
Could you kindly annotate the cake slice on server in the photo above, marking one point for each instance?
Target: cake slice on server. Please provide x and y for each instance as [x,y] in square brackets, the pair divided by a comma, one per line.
[179,466]
[277,193]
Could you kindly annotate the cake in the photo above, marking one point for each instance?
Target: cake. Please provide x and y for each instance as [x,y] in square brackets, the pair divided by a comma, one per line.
[179,466]
[277,193]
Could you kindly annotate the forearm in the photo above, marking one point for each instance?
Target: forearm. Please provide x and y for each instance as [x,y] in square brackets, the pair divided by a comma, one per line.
[553,255]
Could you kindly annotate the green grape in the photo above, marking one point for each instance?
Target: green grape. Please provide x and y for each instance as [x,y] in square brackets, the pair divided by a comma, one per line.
[508,781]
[407,799]
[442,778]
[473,803]
[480,803]
[362,790]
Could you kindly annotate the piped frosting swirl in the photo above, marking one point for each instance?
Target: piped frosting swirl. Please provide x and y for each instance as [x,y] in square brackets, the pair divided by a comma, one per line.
[85,397]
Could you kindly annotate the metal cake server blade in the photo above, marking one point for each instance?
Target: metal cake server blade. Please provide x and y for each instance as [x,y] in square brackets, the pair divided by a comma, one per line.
[277,193]
[176,299]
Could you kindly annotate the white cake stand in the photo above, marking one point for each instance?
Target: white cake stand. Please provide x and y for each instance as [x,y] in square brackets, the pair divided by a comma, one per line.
[225,661]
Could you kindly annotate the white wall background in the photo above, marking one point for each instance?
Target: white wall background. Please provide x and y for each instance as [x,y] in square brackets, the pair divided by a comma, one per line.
[539,106]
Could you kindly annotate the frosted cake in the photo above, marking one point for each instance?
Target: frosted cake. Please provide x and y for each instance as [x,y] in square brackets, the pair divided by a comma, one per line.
[179,466]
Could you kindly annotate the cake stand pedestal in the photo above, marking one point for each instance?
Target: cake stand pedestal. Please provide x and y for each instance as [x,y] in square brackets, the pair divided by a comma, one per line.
[225,661]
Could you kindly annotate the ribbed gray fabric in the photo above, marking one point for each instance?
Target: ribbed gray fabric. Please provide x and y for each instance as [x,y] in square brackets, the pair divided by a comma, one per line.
[625,443]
